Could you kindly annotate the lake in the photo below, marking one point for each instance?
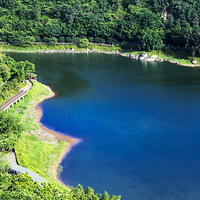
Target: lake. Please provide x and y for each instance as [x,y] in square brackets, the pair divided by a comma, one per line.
[139,123]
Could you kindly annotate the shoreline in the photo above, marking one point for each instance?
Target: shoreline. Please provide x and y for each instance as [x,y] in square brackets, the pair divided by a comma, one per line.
[113,52]
[60,137]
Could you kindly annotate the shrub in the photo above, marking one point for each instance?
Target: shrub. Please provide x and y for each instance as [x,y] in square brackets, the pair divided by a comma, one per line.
[91,39]
[68,39]
[99,40]
[83,43]
[61,39]
[10,131]
[111,40]
[53,41]
[38,39]
[45,39]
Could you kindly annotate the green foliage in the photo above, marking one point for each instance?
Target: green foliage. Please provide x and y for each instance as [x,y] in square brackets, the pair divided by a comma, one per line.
[53,41]
[83,43]
[88,194]
[12,73]
[99,40]
[61,39]
[19,70]
[5,72]
[10,131]
[111,40]
[21,186]
[150,40]
[175,23]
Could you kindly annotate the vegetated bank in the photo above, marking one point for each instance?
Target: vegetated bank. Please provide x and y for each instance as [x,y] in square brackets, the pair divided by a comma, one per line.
[36,148]
[176,56]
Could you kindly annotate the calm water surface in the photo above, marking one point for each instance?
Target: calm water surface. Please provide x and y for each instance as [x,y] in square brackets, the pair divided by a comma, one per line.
[139,123]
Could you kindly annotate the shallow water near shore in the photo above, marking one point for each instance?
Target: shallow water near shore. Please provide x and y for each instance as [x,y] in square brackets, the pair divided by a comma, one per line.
[138,122]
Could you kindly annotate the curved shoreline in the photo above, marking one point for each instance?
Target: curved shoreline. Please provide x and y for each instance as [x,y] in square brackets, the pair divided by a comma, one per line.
[60,137]
[113,52]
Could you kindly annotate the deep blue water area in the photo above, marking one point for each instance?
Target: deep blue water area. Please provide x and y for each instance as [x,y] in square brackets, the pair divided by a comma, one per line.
[139,123]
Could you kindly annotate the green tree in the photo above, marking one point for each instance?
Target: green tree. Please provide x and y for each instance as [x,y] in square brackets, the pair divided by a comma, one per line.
[150,39]
[83,43]
[10,130]
[53,41]
[5,73]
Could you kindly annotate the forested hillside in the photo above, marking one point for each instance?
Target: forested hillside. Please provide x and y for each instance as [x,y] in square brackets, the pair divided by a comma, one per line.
[149,24]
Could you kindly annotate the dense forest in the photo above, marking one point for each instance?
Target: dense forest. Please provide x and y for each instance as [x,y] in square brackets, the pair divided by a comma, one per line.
[149,24]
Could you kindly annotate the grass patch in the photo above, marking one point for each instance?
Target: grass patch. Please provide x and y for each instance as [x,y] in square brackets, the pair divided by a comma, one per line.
[36,149]
[38,155]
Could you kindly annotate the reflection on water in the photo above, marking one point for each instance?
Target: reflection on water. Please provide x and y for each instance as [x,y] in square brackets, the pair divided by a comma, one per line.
[139,123]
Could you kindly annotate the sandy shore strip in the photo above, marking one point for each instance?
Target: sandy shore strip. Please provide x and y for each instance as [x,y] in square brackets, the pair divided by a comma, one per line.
[60,137]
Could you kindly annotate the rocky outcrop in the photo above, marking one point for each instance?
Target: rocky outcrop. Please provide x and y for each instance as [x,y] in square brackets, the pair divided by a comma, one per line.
[151,58]
[143,56]
[159,60]
[194,62]
[134,56]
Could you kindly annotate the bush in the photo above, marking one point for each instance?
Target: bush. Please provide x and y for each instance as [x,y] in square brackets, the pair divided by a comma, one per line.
[83,43]
[38,39]
[68,39]
[20,40]
[61,39]
[45,39]
[91,39]
[111,40]
[99,40]
[75,40]
[125,44]
[10,131]
[53,41]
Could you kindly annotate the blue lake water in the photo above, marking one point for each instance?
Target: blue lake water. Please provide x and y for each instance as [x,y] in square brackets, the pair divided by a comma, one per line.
[139,123]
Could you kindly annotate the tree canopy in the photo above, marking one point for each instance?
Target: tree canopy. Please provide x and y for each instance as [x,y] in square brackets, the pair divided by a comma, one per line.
[11,74]
[152,24]
[10,131]
[21,186]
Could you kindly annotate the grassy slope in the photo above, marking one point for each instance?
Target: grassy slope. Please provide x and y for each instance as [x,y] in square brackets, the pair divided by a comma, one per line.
[36,149]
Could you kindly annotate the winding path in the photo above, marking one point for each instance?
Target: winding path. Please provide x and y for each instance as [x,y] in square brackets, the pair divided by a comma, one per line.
[10,157]
[14,167]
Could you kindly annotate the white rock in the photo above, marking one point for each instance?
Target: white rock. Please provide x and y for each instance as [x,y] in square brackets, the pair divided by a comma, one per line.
[194,62]
[143,56]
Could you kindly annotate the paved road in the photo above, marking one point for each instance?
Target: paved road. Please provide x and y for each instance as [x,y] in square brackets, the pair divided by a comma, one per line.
[11,159]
